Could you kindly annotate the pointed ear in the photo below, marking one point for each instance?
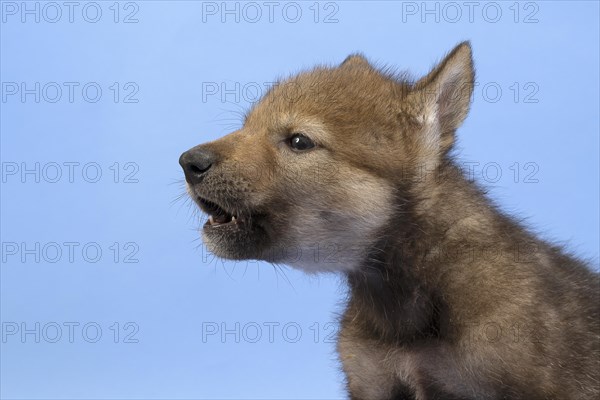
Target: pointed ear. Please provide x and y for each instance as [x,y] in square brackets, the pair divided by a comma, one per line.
[444,95]
[355,60]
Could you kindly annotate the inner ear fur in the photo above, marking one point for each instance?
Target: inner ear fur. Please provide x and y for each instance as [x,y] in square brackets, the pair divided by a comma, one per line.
[444,94]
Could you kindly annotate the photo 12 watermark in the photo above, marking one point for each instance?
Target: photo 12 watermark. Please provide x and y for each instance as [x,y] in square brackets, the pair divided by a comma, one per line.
[71,252]
[70,12]
[235,92]
[452,12]
[69,92]
[69,332]
[72,172]
[333,253]
[253,12]
[292,332]
[268,332]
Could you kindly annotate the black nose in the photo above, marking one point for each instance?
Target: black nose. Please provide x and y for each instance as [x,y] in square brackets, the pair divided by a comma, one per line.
[195,163]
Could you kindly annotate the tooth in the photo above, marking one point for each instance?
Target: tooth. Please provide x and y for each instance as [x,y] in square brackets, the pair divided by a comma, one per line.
[211,220]
[233,218]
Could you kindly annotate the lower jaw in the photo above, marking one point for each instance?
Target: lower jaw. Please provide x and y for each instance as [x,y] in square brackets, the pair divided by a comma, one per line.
[235,241]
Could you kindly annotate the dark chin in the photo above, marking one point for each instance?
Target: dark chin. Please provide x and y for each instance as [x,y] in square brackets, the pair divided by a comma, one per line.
[241,241]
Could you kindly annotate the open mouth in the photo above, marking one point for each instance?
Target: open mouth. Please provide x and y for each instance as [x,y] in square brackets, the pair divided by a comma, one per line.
[217,215]
[228,235]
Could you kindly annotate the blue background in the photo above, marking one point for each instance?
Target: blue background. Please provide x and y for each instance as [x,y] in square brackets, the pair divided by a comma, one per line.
[172,57]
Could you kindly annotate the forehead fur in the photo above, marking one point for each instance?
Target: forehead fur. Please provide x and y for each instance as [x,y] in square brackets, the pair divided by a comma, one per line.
[345,97]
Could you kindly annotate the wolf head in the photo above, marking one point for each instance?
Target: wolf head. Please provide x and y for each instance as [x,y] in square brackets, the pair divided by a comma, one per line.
[325,159]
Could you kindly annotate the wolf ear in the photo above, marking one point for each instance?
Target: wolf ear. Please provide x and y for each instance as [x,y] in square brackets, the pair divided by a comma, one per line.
[444,95]
[355,60]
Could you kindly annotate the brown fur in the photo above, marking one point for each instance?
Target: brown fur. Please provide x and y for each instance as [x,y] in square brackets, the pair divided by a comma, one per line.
[449,297]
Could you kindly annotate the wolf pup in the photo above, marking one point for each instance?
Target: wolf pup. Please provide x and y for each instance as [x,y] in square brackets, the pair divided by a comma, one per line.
[349,169]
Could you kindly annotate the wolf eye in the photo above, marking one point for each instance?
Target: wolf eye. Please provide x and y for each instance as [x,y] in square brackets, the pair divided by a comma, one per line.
[300,142]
